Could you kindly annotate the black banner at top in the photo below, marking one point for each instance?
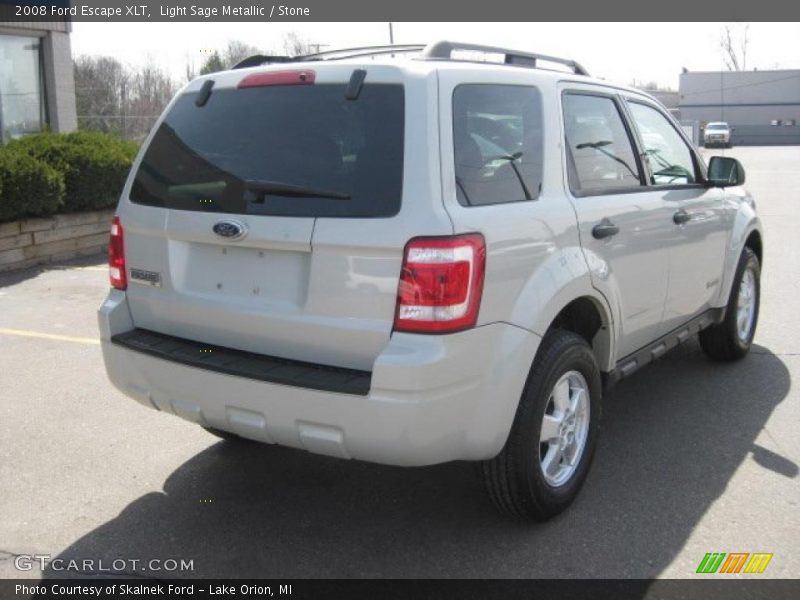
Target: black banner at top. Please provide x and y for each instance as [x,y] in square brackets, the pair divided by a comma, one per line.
[393,10]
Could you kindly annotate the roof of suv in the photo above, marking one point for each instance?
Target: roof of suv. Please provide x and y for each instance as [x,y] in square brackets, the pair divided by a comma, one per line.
[421,64]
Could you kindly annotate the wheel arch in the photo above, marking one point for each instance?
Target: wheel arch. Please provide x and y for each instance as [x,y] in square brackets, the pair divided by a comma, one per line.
[756,244]
[589,317]
[747,233]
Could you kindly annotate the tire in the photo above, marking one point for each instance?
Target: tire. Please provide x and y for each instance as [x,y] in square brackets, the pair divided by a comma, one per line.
[731,339]
[515,478]
[225,435]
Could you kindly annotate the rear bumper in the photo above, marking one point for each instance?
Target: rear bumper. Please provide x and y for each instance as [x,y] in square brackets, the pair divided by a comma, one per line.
[431,399]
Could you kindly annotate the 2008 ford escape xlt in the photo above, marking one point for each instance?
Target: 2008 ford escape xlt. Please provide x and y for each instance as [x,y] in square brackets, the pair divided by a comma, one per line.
[412,261]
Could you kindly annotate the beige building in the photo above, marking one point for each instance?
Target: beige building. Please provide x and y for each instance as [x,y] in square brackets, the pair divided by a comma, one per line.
[37,89]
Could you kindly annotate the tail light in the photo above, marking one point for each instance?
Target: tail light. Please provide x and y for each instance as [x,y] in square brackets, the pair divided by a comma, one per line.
[116,256]
[441,284]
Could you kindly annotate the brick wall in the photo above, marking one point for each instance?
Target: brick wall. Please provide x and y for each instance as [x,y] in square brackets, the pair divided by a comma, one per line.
[40,241]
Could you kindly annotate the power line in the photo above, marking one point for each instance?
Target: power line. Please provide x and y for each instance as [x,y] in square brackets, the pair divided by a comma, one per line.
[743,85]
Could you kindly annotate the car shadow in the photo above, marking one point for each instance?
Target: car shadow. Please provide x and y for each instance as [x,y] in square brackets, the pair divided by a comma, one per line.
[673,435]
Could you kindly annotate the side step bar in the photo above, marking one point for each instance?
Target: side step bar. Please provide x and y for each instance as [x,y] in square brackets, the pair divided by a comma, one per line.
[636,360]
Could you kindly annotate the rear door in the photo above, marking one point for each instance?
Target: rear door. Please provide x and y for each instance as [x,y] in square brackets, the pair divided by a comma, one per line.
[275,213]
[624,226]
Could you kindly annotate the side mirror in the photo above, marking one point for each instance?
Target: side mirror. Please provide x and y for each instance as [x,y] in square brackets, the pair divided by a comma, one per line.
[724,171]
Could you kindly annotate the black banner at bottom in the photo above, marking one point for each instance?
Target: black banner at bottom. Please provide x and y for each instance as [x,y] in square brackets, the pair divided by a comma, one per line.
[411,589]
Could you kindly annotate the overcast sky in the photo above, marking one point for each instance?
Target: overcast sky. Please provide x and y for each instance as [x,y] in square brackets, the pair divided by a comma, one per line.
[619,52]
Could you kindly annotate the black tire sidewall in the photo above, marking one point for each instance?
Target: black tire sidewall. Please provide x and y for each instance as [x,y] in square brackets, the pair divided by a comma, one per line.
[573,354]
[747,261]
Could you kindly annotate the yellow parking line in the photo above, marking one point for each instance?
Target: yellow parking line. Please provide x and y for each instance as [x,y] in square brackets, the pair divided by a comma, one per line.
[49,336]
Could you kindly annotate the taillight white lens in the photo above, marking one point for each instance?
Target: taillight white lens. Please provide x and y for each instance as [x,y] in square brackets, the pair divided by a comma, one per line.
[116,256]
[441,283]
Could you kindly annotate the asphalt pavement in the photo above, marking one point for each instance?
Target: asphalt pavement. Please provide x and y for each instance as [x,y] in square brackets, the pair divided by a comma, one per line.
[694,457]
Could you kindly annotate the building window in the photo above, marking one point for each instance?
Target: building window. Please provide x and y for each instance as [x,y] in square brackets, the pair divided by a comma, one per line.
[22,100]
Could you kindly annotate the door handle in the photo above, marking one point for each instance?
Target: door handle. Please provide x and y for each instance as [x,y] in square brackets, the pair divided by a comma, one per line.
[604,229]
[681,217]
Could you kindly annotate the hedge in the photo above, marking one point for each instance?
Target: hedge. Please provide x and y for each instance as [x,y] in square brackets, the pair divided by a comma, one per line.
[28,187]
[92,166]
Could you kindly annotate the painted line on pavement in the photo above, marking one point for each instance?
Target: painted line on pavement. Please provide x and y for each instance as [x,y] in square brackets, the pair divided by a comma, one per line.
[49,336]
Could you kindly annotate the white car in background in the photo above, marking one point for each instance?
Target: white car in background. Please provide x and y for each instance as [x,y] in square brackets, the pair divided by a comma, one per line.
[717,134]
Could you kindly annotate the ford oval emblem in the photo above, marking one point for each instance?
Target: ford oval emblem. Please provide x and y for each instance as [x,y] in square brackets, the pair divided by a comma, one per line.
[229,229]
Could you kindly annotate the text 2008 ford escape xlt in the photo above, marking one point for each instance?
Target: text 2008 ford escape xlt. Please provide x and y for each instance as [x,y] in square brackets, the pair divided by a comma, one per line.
[412,261]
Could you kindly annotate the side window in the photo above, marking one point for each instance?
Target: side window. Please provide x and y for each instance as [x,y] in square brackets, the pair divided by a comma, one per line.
[497,143]
[668,155]
[599,149]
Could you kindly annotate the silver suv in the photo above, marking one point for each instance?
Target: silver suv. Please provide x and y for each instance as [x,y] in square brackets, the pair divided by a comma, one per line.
[422,259]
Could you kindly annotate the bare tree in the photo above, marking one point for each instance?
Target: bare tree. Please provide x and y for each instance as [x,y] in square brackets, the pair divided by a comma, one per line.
[734,51]
[237,51]
[99,86]
[150,90]
[294,45]
[113,98]
[190,72]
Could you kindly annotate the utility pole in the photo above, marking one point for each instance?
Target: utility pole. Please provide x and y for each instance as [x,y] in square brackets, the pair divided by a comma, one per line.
[391,35]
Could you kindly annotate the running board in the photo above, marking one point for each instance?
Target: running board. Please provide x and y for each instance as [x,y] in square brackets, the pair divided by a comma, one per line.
[636,360]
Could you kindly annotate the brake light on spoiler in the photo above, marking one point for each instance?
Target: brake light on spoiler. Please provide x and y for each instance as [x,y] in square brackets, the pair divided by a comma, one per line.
[304,77]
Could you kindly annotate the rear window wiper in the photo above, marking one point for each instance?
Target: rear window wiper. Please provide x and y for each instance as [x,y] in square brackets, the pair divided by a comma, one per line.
[291,190]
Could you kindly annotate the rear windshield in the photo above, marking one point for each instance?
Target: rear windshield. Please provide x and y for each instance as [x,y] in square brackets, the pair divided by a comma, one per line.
[717,126]
[300,150]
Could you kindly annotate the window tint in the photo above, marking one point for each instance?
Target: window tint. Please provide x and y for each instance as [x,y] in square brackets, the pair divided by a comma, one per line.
[600,154]
[668,155]
[497,139]
[299,150]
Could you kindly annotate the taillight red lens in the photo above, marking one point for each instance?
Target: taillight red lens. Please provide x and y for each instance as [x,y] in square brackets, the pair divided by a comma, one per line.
[116,256]
[304,77]
[441,283]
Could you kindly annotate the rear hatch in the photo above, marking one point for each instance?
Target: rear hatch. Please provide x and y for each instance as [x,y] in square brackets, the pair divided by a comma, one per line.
[271,215]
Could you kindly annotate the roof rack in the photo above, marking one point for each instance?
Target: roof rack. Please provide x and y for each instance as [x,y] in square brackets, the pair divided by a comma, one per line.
[444,50]
[437,51]
[365,51]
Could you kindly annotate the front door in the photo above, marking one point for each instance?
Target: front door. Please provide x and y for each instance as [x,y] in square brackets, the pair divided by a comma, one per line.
[698,231]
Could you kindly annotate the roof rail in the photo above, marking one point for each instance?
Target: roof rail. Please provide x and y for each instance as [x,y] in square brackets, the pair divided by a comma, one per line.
[443,51]
[365,51]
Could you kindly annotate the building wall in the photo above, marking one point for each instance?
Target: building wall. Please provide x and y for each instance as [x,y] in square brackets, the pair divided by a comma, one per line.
[59,80]
[750,101]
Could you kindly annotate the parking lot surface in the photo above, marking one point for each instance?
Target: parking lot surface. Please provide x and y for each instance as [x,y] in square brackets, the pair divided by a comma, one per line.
[694,457]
